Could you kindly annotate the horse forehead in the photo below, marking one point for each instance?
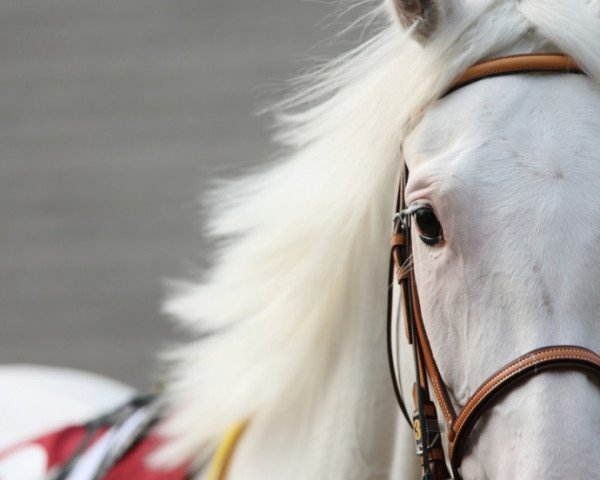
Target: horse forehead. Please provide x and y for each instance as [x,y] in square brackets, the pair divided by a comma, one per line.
[528,116]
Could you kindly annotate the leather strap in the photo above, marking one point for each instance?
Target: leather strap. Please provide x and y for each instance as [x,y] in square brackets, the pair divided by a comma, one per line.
[526,366]
[439,387]
[424,422]
[513,64]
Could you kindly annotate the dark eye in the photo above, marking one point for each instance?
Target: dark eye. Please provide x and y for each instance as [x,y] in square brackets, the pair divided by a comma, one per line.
[429,228]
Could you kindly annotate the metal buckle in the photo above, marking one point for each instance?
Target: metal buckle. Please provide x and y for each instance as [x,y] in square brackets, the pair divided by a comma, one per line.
[418,433]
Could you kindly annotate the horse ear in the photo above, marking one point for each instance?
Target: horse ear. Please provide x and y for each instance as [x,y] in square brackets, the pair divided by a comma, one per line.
[425,13]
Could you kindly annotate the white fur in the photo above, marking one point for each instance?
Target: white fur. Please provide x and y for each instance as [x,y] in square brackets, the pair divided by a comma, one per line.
[289,323]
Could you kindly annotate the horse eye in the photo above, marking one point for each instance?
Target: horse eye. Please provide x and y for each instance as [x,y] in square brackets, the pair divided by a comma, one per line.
[429,227]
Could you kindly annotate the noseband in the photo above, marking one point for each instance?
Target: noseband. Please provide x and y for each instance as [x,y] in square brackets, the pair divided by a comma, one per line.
[459,425]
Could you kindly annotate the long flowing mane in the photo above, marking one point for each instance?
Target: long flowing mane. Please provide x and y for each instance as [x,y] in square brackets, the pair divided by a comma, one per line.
[302,265]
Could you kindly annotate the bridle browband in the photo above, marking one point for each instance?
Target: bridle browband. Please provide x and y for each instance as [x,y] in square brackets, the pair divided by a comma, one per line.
[459,425]
[515,64]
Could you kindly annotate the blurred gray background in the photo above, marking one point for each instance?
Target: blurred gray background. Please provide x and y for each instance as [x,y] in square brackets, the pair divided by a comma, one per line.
[114,114]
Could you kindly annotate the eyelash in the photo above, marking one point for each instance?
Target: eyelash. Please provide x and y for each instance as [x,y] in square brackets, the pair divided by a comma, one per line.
[428,226]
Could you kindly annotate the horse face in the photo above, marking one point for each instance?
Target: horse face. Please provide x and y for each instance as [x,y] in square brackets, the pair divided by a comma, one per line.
[510,168]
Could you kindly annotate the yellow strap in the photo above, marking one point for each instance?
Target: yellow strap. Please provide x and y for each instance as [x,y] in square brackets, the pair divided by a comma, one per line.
[222,459]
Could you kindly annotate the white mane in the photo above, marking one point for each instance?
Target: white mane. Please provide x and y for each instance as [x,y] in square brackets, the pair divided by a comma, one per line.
[304,245]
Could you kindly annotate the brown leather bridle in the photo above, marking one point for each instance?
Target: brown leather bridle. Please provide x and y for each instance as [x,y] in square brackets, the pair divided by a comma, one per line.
[459,425]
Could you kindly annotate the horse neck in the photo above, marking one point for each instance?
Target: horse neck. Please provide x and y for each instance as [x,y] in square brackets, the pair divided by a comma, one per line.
[355,432]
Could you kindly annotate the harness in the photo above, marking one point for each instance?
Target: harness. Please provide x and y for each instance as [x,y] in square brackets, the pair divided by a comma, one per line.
[117,446]
[113,446]
[459,425]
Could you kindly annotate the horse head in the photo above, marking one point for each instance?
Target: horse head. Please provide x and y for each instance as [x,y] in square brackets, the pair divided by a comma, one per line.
[502,193]
[505,248]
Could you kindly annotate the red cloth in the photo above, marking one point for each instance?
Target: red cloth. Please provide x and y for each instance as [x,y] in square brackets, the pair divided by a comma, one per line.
[61,445]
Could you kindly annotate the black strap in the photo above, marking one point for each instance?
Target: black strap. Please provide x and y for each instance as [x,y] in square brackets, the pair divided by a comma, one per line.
[390,314]
[110,419]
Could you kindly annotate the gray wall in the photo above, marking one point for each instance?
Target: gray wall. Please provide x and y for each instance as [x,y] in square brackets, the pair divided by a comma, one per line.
[113,116]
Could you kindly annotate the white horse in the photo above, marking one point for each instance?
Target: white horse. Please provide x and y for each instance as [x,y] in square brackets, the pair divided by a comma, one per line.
[289,327]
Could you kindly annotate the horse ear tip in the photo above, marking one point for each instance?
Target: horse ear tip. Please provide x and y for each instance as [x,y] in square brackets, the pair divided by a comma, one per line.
[425,13]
